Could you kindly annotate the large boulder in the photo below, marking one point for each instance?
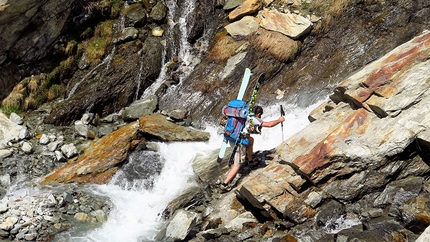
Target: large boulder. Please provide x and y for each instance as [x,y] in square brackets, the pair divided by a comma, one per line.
[363,138]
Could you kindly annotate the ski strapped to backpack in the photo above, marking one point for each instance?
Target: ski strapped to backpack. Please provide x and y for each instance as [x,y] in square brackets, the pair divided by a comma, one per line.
[244,85]
[240,140]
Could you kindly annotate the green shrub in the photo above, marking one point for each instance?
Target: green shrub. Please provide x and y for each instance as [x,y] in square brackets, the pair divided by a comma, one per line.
[7,110]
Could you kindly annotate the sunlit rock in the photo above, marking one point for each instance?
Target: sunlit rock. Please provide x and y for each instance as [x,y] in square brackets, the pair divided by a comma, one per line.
[69,150]
[180,225]
[8,130]
[4,154]
[291,25]
[100,161]
[243,27]
[356,142]
[16,118]
[248,7]
[157,32]
[158,126]
[27,147]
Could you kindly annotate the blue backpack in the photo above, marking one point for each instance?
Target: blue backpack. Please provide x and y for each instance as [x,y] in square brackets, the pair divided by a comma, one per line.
[236,112]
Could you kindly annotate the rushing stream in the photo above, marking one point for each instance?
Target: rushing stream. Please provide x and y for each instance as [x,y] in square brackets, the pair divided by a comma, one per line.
[150,180]
[138,202]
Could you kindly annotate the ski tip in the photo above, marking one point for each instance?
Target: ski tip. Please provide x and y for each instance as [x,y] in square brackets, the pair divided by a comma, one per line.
[219,160]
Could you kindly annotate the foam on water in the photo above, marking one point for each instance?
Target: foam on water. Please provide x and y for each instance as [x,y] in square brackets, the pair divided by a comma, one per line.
[136,212]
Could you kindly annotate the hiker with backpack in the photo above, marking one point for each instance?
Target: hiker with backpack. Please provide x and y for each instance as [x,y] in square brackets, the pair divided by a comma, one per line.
[253,125]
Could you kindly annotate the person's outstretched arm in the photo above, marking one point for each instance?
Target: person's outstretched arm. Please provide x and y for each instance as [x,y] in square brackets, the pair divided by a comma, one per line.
[272,123]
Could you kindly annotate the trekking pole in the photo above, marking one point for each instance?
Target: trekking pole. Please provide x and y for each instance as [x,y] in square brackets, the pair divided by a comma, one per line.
[282,124]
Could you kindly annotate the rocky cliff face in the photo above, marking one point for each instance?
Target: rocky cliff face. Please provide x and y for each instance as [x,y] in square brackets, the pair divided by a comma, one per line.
[302,67]
[364,158]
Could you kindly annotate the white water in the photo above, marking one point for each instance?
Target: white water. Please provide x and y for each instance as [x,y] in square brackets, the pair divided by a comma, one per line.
[136,213]
[187,54]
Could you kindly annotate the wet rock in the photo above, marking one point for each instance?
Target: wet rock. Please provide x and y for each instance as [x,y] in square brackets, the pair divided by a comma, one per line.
[189,198]
[127,34]
[330,214]
[178,114]
[135,15]
[140,108]
[48,19]
[100,215]
[158,12]
[81,216]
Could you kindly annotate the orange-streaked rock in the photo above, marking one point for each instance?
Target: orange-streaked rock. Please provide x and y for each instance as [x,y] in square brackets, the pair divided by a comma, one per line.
[100,160]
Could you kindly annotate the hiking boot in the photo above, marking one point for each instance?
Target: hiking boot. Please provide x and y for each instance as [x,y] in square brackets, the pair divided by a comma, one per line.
[224,188]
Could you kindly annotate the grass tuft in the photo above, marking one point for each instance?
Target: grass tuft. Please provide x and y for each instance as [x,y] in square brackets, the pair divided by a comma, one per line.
[7,110]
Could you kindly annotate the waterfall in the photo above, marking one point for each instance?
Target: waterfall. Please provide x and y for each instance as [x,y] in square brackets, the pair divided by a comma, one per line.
[183,50]
[144,187]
